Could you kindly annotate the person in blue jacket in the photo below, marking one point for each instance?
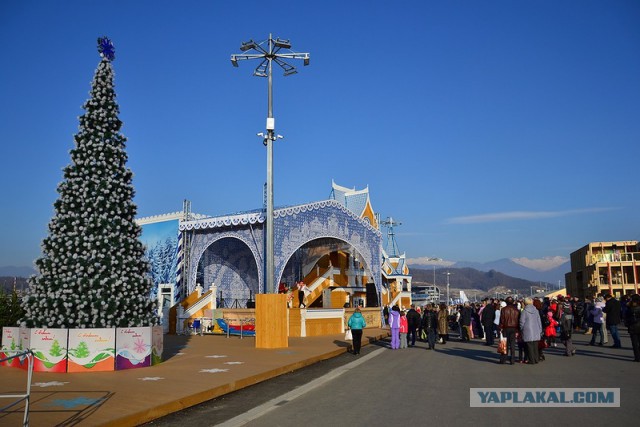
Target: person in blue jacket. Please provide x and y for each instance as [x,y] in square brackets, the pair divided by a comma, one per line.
[357,324]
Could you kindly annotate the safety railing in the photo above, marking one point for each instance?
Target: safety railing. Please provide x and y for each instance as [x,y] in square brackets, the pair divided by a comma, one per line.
[20,354]
[616,257]
[240,331]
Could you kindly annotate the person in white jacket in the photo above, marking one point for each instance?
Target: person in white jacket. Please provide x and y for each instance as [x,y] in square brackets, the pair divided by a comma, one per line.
[598,319]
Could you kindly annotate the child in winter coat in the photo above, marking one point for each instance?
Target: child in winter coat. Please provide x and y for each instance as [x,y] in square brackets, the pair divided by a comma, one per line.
[404,329]
[550,331]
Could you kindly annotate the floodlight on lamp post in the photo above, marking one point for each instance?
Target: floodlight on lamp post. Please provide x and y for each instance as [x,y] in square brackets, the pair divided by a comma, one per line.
[268,52]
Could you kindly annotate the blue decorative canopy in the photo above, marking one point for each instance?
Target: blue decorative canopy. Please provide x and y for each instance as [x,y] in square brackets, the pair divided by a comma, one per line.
[106,48]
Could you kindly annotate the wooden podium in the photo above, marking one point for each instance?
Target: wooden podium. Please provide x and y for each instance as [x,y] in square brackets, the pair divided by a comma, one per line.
[271,321]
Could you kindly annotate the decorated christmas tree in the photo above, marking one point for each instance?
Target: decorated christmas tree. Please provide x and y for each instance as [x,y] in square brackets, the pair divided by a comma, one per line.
[93,273]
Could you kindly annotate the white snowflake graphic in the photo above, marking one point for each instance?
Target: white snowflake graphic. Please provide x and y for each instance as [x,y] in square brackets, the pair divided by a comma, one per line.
[50,384]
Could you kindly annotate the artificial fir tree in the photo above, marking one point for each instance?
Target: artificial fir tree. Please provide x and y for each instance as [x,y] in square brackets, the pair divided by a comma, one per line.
[93,273]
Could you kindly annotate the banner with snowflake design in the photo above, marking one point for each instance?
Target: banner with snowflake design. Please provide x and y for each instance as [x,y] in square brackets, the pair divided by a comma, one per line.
[133,347]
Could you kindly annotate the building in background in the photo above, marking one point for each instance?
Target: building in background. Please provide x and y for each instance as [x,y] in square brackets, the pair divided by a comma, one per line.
[604,268]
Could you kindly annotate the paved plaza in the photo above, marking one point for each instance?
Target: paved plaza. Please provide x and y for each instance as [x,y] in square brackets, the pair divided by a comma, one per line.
[200,368]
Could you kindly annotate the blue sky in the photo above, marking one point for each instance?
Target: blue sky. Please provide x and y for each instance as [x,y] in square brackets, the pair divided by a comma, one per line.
[491,130]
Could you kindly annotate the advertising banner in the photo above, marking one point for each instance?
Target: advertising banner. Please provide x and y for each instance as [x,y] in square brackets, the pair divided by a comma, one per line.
[133,348]
[49,348]
[92,350]
[11,342]
[157,344]
[161,242]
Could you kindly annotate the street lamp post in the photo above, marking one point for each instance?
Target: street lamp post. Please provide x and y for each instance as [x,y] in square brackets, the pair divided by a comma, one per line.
[434,268]
[269,51]
[448,274]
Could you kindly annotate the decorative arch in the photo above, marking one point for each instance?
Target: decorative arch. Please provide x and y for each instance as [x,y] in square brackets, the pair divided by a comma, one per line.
[331,238]
[202,241]
[293,228]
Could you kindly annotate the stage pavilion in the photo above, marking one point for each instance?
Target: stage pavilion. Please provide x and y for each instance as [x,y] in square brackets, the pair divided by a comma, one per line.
[213,267]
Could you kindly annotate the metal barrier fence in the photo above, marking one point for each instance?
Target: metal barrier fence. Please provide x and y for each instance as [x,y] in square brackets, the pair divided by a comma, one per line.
[28,355]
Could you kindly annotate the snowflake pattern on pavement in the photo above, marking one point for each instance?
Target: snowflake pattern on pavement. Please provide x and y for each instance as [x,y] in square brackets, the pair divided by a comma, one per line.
[50,384]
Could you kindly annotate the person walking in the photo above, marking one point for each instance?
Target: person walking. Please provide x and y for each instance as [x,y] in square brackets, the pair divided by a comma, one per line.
[302,294]
[413,320]
[612,309]
[394,324]
[597,319]
[443,324]
[465,322]
[509,323]
[357,324]
[430,325]
[404,328]
[579,310]
[385,314]
[632,320]
[497,307]
[487,317]
[531,330]
[550,330]
[565,313]
[544,322]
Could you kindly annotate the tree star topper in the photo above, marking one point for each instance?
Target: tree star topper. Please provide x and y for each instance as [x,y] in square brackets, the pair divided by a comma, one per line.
[106,48]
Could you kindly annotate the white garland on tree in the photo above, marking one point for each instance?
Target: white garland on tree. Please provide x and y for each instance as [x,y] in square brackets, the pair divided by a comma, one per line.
[93,272]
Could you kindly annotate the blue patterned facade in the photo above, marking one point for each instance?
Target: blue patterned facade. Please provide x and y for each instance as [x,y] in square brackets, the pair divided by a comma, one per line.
[231,248]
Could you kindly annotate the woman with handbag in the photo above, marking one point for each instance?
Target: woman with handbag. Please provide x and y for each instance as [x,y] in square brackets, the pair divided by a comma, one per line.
[356,325]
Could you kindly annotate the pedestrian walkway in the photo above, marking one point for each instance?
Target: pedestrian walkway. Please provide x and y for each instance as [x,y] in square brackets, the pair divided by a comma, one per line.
[195,369]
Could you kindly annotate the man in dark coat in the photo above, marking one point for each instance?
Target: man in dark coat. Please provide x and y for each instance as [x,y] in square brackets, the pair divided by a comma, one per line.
[612,308]
[430,325]
[565,316]
[509,324]
[465,322]
[413,321]
[487,319]
[632,320]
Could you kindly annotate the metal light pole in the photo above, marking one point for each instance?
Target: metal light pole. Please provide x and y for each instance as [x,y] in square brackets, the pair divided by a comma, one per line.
[434,267]
[448,274]
[269,51]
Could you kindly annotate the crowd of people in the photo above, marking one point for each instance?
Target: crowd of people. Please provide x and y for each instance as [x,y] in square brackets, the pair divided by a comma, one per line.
[528,325]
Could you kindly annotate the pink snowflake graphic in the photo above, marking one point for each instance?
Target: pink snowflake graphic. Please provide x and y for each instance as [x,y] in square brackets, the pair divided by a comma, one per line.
[139,346]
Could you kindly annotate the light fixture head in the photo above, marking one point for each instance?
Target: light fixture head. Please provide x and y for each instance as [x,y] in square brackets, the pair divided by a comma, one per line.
[290,72]
[285,44]
[248,45]
[306,61]
[234,61]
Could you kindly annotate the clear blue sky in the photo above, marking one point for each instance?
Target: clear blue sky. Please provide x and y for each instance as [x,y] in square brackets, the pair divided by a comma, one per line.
[490,129]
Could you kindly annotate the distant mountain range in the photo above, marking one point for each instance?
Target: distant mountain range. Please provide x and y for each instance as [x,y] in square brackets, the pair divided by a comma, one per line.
[515,269]
[12,271]
[547,270]
[471,279]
